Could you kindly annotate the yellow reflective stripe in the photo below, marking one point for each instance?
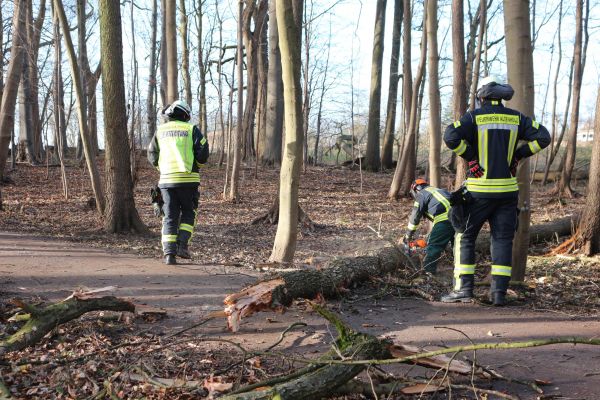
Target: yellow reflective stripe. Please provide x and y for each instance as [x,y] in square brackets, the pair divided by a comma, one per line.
[504,270]
[186,227]
[534,147]
[429,216]
[464,269]
[456,124]
[439,197]
[491,189]
[181,177]
[203,141]
[485,152]
[535,124]
[461,148]
[511,145]
[495,102]
[441,217]
[169,238]
[497,119]
[480,139]
[491,181]
[412,227]
[416,204]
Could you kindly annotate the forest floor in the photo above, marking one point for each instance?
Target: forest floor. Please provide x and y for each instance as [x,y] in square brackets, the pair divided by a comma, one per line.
[50,246]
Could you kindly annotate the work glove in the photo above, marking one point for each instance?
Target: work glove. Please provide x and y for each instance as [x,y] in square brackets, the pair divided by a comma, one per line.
[408,237]
[475,169]
[513,165]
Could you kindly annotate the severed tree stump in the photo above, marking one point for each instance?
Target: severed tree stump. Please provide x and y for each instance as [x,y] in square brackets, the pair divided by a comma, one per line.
[43,320]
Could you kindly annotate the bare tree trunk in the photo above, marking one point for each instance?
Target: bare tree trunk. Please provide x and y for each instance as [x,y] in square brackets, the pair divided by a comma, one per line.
[13,74]
[392,102]
[26,151]
[202,58]
[473,25]
[413,126]
[164,82]
[587,237]
[81,111]
[1,64]
[171,50]
[274,112]
[220,85]
[185,55]
[59,112]
[150,104]
[564,185]
[261,90]
[237,141]
[435,119]
[133,119]
[482,26]
[520,74]
[322,95]
[459,87]
[372,158]
[306,87]
[289,23]
[121,214]
[35,35]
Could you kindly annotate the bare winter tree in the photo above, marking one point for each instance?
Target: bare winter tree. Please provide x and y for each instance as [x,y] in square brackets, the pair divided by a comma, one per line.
[392,102]
[435,128]
[274,119]
[519,56]
[289,17]
[9,94]
[171,50]
[372,158]
[150,99]
[564,185]
[121,214]
[185,54]
[459,87]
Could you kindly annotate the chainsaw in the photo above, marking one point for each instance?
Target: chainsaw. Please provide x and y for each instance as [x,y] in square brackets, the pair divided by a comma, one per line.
[414,246]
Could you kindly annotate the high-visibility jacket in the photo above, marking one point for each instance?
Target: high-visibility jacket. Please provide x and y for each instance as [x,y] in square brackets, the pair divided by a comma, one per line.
[432,203]
[490,135]
[177,149]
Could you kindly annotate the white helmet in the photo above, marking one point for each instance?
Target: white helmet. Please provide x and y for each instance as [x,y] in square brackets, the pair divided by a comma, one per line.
[178,107]
[487,80]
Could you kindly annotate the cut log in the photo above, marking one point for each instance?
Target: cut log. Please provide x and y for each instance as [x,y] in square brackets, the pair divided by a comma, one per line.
[43,320]
[339,274]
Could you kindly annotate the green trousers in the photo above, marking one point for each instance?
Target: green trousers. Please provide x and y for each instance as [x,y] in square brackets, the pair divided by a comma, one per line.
[440,235]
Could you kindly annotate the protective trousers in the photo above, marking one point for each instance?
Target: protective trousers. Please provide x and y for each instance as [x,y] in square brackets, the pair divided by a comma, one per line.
[181,205]
[501,213]
[441,233]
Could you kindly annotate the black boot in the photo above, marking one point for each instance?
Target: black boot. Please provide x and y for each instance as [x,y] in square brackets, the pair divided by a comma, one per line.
[182,250]
[462,293]
[170,259]
[498,289]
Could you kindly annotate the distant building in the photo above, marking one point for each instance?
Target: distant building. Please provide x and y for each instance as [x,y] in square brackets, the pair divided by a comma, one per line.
[585,135]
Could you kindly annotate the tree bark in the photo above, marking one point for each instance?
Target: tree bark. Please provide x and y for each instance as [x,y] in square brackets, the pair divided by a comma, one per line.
[164,80]
[564,185]
[372,158]
[185,54]
[435,119]
[459,87]
[392,102]
[261,90]
[121,214]
[274,113]
[411,134]
[171,50]
[587,237]
[150,99]
[520,74]
[60,131]
[81,111]
[202,61]
[26,150]
[289,17]
[480,38]
[44,320]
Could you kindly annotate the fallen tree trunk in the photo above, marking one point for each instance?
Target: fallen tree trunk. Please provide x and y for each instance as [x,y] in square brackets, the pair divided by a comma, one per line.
[537,233]
[43,320]
[336,277]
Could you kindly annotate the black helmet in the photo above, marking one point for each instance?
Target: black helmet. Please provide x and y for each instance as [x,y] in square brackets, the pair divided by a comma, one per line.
[178,110]
[418,185]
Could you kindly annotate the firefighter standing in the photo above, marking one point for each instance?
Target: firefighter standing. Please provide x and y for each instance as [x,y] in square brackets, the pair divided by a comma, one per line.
[177,150]
[434,204]
[488,139]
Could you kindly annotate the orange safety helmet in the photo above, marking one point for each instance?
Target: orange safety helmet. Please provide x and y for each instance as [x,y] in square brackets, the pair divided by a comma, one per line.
[418,185]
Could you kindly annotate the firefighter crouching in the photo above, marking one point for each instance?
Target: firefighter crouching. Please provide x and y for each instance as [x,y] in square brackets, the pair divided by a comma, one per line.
[177,150]
[434,204]
[488,139]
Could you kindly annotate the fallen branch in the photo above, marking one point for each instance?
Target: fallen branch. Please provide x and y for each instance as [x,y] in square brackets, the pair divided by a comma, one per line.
[43,320]
[333,279]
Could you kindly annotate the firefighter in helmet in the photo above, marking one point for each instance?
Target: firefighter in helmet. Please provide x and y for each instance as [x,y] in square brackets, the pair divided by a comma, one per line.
[433,204]
[177,150]
[488,139]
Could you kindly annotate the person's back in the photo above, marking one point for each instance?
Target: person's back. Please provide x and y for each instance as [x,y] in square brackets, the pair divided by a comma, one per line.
[487,138]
